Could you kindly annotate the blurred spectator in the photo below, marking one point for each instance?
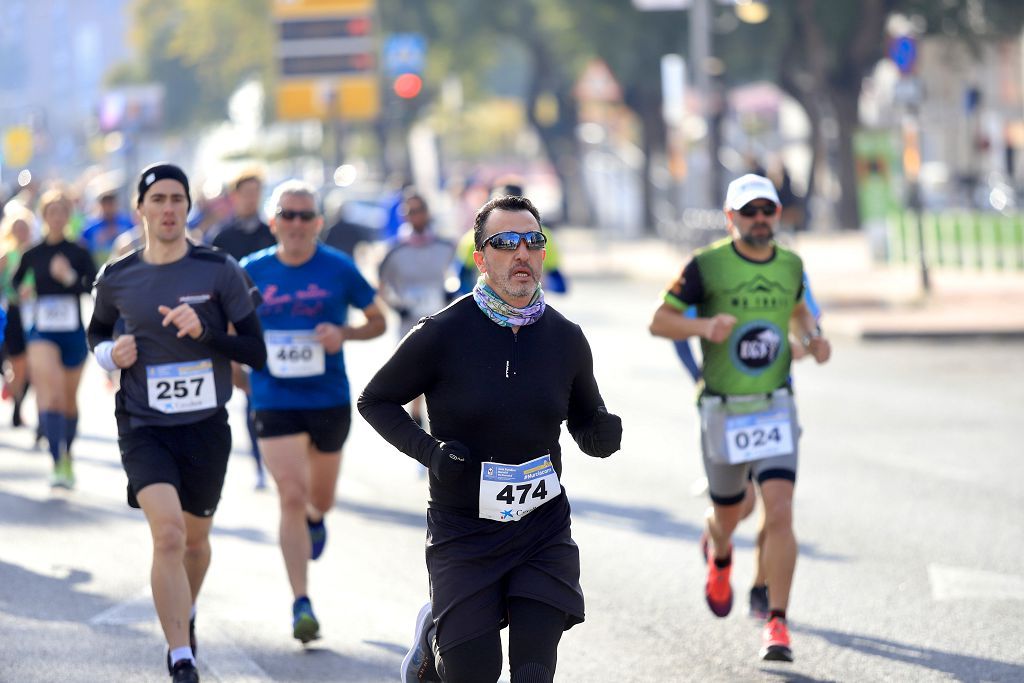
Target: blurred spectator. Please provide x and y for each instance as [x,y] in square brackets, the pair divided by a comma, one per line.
[101,232]
[16,230]
[245,232]
[344,234]
[414,270]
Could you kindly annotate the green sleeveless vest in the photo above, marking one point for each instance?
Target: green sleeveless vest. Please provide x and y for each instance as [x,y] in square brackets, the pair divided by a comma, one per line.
[756,356]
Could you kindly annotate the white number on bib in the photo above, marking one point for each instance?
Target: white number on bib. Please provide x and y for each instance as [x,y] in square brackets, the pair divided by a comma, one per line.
[181,387]
[57,313]
[758,435]
[510,492]
[294,353]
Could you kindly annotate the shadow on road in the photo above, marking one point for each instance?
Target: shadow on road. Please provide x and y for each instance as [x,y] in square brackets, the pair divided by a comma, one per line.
[790,677]
[657,522]
[963,667]
[390,515]
[62,599]
[393,648]
[326,664]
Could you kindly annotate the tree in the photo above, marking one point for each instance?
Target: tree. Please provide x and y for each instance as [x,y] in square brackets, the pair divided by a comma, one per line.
[821,52]
[201,52]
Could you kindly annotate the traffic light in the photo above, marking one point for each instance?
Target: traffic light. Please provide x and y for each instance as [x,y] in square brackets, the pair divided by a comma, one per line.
[407,86]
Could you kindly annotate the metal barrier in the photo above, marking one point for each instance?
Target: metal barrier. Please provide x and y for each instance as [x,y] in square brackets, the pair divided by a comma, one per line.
[959,239]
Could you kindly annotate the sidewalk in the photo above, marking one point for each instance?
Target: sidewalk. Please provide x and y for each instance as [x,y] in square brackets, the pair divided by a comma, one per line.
[859,298]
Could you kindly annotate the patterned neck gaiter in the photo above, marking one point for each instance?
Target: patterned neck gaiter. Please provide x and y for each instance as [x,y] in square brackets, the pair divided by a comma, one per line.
[506,314]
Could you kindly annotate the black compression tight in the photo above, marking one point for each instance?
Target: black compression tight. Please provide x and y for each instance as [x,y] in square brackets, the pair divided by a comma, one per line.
[534,629]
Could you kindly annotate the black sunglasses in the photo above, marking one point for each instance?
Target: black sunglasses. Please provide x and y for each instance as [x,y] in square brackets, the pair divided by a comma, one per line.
[289,215]
[750,210]
[509,240]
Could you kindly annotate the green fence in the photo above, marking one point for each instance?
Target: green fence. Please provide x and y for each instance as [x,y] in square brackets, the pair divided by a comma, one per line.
[959,239]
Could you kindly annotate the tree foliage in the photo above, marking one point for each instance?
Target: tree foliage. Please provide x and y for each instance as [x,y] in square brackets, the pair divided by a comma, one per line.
[201,52]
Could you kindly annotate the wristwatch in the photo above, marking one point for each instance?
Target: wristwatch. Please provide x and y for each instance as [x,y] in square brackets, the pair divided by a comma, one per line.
[806,339]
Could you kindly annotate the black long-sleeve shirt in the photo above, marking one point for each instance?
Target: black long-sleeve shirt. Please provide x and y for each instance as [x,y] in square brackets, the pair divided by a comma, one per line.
[503,395]
[37,261]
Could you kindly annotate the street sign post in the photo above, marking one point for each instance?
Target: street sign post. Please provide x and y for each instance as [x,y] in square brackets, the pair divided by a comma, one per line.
[326,60]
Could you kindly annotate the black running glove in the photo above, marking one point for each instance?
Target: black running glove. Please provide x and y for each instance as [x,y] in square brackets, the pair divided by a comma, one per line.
[448,460]
[604,435]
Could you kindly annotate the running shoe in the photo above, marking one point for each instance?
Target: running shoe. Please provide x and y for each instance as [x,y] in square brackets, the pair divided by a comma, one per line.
[775,641]
[759,602]
[184,671]
[418,664]
[317,538]
[62,476]
[717,589]
[69,472]
[305,627]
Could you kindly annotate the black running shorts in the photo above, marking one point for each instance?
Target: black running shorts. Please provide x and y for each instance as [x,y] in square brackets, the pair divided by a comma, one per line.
[193,458]
[327,427]
[476,565]
[14,333]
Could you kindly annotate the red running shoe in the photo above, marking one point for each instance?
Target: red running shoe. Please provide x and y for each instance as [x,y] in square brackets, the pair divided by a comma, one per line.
[717,589]
[775,641]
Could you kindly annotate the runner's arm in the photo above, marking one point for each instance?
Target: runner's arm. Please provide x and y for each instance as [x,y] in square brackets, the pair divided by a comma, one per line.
[597,432]
[373,327]
[401,379]
[246,347]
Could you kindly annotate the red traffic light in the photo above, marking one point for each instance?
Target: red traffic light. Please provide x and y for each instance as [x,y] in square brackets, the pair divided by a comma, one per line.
[407,86]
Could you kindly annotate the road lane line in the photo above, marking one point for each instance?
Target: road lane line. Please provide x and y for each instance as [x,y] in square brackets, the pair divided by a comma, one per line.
[957,583]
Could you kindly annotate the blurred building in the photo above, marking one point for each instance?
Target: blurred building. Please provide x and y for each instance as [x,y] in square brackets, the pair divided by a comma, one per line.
[54,55]
[971,108]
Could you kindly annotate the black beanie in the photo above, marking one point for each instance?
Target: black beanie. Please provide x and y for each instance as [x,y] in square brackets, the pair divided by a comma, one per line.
[160,171]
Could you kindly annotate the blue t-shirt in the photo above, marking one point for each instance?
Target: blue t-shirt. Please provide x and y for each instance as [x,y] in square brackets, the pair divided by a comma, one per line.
[295,299]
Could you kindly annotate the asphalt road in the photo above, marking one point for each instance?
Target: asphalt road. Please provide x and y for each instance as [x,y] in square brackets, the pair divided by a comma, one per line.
[909,513]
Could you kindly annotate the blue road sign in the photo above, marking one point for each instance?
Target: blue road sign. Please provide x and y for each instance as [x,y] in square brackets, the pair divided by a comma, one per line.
[405,53]
[903,52]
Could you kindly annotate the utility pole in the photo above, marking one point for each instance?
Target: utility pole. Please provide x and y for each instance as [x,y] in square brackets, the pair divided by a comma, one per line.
[700,52]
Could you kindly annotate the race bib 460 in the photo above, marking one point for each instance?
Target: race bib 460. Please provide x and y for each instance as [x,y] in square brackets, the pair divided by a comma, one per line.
[294,353]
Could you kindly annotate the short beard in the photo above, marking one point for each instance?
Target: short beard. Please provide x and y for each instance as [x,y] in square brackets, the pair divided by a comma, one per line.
[757,241]
[506,286]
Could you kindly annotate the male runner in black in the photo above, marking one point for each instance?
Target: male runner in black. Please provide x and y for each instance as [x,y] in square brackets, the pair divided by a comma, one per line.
[500,371]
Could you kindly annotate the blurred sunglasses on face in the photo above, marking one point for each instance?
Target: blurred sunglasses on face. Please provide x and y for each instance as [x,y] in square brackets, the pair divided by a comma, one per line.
[750,210]
[289,215]
[509,240]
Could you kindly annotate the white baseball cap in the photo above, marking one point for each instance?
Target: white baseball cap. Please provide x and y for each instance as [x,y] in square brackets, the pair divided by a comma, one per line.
[746,189]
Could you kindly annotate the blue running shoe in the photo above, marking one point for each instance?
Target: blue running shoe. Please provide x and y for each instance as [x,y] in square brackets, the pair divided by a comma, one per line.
[305,627]
[418,664]
[317,538]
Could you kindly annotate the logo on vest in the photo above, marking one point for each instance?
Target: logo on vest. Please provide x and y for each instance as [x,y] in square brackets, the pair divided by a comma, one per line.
[756,347]
[759,294]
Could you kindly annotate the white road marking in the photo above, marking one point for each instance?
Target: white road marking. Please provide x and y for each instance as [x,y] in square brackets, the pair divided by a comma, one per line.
[220,659]
[957,583]
[137,610]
